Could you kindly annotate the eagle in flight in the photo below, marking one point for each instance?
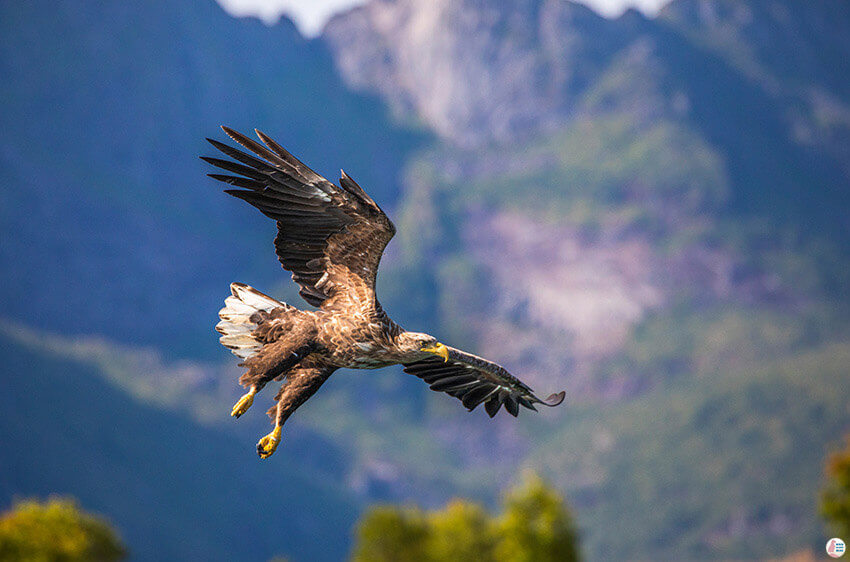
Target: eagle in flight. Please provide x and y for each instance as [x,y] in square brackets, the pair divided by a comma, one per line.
[331,238]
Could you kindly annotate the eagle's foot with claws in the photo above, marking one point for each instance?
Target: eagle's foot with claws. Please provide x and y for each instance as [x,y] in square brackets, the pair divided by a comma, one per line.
[268,444]
[242,406]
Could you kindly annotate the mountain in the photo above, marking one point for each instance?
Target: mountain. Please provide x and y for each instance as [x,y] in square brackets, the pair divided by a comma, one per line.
[501,71]
[475,73]
[662,169]
[796,56]
[107,217]
[630,208]
[650,213]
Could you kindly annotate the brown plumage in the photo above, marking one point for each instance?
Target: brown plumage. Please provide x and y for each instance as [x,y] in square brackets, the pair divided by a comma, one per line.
[332,238]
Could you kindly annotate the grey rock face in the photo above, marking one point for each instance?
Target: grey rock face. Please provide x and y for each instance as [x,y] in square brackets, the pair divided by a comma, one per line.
[474,71]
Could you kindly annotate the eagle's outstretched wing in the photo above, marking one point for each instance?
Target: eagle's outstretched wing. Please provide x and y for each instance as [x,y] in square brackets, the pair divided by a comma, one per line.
[474,381]
[331,238]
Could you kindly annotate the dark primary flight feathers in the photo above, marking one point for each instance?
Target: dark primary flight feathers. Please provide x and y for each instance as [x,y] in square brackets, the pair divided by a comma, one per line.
[331,238]
[318,223]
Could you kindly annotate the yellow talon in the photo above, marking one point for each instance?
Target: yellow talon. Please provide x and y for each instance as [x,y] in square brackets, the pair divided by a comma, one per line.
[268,444]
[244,403]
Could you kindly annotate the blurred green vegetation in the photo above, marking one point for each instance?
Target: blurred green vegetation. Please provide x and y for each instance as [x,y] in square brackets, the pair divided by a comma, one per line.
[835,497]
[726,464]
[56,531]
[685,342]
[534,525]
[576,174]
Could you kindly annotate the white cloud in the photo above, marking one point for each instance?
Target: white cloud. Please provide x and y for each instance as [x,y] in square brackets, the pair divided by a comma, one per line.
[613,8]
[311,15]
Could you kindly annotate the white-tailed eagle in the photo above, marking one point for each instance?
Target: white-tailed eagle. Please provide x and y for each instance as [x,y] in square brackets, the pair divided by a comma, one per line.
[331,238]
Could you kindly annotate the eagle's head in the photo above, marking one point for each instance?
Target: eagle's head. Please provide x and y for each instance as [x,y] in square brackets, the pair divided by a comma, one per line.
[420,346]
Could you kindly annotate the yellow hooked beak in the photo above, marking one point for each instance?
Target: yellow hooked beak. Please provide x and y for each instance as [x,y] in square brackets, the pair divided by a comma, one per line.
[438,349]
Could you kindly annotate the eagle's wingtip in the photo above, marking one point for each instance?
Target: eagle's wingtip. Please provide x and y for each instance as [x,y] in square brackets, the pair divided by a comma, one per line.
[231,133]
[555,399]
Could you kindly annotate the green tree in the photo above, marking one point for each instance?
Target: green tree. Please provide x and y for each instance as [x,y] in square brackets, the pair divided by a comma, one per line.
[56,531]
[534,525]
[835,498]
[389,534]
[461,531]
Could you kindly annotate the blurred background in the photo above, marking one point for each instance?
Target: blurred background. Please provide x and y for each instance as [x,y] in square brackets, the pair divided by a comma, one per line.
[648,209]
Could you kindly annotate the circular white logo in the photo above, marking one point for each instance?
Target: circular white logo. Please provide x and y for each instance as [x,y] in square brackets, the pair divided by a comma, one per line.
[835,548]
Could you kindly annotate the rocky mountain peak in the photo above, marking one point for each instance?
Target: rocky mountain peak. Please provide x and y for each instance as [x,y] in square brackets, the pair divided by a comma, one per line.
[472,71]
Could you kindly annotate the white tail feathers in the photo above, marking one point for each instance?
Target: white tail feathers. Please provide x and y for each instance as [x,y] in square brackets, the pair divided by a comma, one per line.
[236,325]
